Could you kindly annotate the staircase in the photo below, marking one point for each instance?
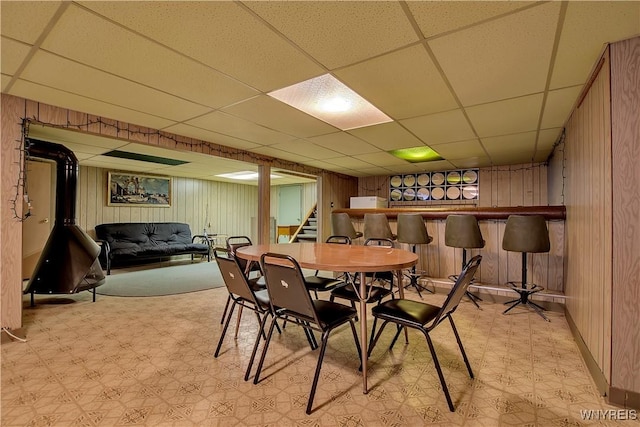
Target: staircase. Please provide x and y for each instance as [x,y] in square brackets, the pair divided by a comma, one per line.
[308,231]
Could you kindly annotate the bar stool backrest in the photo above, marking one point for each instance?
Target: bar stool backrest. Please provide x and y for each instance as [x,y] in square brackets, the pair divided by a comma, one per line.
[376,225]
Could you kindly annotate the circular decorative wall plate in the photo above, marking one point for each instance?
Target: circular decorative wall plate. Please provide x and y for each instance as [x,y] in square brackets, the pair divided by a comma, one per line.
[469,177]
[437,178]
[423,194]
[396,181]
[470,192]
[437,193]
[453,177]
[423,179]
[453,193]
[396,195]
[409,180]
[409,194]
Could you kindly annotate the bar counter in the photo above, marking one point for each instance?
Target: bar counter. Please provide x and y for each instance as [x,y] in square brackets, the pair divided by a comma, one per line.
[481,213]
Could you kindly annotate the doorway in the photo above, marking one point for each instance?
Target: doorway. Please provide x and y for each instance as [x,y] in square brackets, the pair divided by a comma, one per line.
[37,227]
[289,209]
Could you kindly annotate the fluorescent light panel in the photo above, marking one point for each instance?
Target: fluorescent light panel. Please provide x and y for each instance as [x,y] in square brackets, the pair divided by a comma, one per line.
[329,100]
[416,154]
[244,175]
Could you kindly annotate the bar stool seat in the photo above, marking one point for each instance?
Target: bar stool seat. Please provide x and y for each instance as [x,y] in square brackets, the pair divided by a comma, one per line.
[411,230]
[526,234]
[463,231]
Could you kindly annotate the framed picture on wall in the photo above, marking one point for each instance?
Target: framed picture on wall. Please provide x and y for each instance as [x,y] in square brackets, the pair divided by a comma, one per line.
[131,189]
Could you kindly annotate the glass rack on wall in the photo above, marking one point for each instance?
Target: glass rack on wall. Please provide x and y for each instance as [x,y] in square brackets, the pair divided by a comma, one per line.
[460,184]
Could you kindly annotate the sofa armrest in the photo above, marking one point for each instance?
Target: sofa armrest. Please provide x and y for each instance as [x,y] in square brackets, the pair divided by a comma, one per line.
[105,253]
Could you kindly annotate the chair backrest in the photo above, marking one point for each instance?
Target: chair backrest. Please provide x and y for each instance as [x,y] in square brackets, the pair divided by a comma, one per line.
[236,242]
[463,231]
[379,241]
[458,290]
[233,275]
[376,225]
[341,240]
[411,229]
[526,233]
[341,225]
[286,287]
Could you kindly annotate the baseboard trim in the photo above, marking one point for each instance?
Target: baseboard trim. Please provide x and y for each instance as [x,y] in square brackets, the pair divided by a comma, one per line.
[624,398]
[598,376]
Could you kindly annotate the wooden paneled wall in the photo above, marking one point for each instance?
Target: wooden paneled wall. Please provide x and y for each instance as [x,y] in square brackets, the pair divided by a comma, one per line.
[588,190]
[625,135]
[13,110]
[221,207]
[334,191]
[504,186]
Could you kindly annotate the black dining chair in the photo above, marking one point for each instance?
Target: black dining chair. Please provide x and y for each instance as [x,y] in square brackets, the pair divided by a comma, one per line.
[291,301]
[425,317]
[243,295]
[257,282]
[318,283]
[373,293]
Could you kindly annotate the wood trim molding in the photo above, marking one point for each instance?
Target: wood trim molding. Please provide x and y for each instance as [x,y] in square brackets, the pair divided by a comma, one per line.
[549,212]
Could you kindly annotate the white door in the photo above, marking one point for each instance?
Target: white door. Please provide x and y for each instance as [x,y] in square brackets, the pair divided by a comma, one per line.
[289,204]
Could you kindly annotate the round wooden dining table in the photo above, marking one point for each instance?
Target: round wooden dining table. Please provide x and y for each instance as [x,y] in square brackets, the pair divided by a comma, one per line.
[342,258]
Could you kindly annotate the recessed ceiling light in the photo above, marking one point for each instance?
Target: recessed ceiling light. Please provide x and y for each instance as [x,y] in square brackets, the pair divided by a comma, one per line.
[328,99]
[416,154]
[244,175]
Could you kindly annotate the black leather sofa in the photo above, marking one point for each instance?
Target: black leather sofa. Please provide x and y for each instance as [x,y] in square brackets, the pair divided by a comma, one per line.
[133,241]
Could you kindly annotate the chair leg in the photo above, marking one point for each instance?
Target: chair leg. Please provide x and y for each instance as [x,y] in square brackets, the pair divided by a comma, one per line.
[355,337]
[256,377]
[255,346]
[439,369]
[377,336]
[464,354]
[226,307]
[224,330]
[323,348]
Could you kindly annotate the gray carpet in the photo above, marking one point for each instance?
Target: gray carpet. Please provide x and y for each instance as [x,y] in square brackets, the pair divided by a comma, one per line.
[162,280]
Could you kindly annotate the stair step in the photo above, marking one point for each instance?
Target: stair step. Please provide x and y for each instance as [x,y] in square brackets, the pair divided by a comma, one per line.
[309,227]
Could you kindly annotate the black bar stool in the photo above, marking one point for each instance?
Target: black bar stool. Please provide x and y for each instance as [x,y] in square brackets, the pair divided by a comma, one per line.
[463,231]
[411,230]
[526,234]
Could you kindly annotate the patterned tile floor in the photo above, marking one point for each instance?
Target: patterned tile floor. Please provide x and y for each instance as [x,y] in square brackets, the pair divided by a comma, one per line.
[149,361]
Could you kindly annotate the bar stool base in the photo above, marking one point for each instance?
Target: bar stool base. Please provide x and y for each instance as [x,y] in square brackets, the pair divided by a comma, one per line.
[525,291]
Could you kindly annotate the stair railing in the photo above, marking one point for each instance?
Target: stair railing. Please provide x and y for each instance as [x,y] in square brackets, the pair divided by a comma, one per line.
[310,213]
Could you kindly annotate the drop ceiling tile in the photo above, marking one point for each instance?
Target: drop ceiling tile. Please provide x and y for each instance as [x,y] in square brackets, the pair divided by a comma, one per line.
[505,117]
[13,54]
[280,154]
[375,171]
[14,24]
[434,17]
[459,150]
[436,165]
[237,127]
[278,116]
[547,138]
[76,78]
[381,158]
[306,149]
[89,39]
[519,146]
[440,128]
[349,162]
[63,99]
[471,162]
[511,159]
[85,142]
[343,143]
[208,136]
[318,164]
[4,82]
[387,136]
[230,39]
[339,33]
[502,58]
[559,105]
[588,26]
[402,84]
